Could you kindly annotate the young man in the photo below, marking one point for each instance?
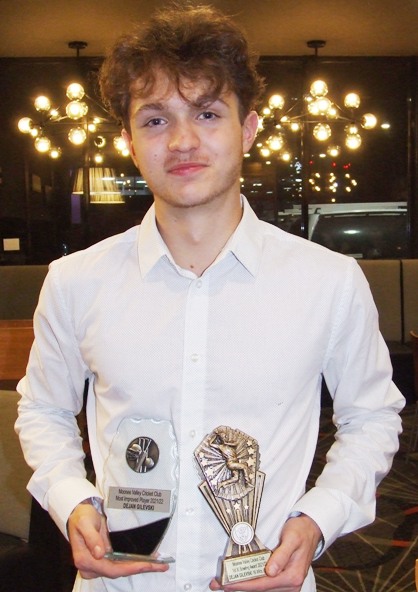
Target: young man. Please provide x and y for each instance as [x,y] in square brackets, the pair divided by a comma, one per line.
[203,317]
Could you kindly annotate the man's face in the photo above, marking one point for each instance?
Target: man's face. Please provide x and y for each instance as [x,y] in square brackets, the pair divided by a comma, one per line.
[189,149]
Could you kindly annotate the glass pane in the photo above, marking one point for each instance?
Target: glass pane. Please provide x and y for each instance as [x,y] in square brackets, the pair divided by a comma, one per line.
[379,234]
[285,192]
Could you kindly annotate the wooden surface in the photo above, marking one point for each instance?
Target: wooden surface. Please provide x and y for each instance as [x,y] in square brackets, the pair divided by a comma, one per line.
[414,343]
[16,338]
[416,574]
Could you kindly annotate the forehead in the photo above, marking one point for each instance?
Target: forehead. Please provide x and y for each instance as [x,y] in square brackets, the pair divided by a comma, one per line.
[161,88]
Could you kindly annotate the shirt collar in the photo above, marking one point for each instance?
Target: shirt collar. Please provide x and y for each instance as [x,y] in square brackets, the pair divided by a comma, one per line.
[245,243]
[247,240]
[151,247]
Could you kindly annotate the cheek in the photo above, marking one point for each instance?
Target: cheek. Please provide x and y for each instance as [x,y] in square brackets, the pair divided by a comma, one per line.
[147,158]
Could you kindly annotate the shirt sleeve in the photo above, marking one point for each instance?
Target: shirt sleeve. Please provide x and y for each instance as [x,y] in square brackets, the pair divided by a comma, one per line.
[366,406]
[51,397]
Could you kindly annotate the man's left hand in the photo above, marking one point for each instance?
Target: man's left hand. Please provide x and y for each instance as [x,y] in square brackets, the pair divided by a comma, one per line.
[289,563]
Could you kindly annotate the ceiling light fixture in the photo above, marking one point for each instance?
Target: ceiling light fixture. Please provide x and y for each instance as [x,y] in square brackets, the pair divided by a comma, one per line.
[317,114]
[86,120]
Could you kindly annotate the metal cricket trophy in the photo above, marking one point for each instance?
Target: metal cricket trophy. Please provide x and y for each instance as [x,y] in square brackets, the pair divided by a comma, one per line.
[229,460]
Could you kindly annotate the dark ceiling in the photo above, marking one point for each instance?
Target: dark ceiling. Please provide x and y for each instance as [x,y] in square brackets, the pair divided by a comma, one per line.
[30,28]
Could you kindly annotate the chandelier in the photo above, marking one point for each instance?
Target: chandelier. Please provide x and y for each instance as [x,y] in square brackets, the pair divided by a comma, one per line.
[82,120]
[316,114]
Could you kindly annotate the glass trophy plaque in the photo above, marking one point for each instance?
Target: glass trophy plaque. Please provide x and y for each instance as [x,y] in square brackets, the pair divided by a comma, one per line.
[140,487]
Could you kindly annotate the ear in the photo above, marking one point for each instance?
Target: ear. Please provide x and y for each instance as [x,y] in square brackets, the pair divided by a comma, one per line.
[249,130]
[127,137]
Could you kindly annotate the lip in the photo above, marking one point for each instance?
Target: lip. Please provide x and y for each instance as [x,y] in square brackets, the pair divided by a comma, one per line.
[182,169]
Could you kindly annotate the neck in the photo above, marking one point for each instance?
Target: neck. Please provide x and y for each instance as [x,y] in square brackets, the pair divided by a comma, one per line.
[196,235]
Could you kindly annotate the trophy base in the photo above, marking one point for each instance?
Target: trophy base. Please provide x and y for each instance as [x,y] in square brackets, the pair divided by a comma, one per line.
[116,556]
[240,568]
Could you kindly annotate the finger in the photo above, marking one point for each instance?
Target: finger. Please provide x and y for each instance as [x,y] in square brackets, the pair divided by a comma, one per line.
[95,539]
[116,569]
[279,559]
[284,573]
[87,530]
[254,585]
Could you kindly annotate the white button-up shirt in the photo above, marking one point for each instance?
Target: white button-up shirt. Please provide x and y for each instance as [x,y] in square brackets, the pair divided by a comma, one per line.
[244,345]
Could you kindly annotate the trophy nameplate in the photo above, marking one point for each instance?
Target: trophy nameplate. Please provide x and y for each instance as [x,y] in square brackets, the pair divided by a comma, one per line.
[140,485]
[229,460]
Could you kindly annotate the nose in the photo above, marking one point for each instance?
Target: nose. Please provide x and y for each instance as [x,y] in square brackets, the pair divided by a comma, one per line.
[183,137]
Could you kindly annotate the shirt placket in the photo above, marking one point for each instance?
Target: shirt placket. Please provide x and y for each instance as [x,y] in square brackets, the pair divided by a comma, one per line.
[190,519]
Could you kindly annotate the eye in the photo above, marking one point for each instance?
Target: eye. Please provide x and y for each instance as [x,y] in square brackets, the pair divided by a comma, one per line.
[154,122]
[208,115]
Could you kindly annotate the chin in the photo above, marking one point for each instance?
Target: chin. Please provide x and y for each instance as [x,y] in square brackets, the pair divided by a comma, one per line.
[187,200]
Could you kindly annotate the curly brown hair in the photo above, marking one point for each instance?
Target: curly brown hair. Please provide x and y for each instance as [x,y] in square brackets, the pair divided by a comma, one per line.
[186,42]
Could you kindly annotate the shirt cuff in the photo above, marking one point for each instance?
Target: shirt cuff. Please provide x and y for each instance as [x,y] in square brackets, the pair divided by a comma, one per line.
[65,495]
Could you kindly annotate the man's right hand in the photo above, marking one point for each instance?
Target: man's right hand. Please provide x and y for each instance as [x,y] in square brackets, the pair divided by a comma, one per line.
[89,539]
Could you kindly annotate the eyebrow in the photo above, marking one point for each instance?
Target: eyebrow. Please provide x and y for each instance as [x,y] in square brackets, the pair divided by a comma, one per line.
[150,107]
[200,102]
[207,100]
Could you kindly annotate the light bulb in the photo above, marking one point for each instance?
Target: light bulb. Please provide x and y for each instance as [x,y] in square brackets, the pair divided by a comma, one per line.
[42,144]
[276,102]
[332,112]
[313,108]
[352,101]
[353,141]
[98,158]
[368,121]
[75,91]
[318,88]
[351,129]
[334,151]
[322,131]
[119,143]
[42,103]
[77,136]
[76,109]
[55,153]
[323,105]
[275,142]
[25,124]
[35,131]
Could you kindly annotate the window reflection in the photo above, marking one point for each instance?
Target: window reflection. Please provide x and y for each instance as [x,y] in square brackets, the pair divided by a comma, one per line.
[285,192]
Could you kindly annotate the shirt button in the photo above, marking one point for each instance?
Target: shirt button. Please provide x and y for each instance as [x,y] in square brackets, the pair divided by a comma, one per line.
[199,284]
[194,357]
[187,587]
[189,511]
[192,433]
